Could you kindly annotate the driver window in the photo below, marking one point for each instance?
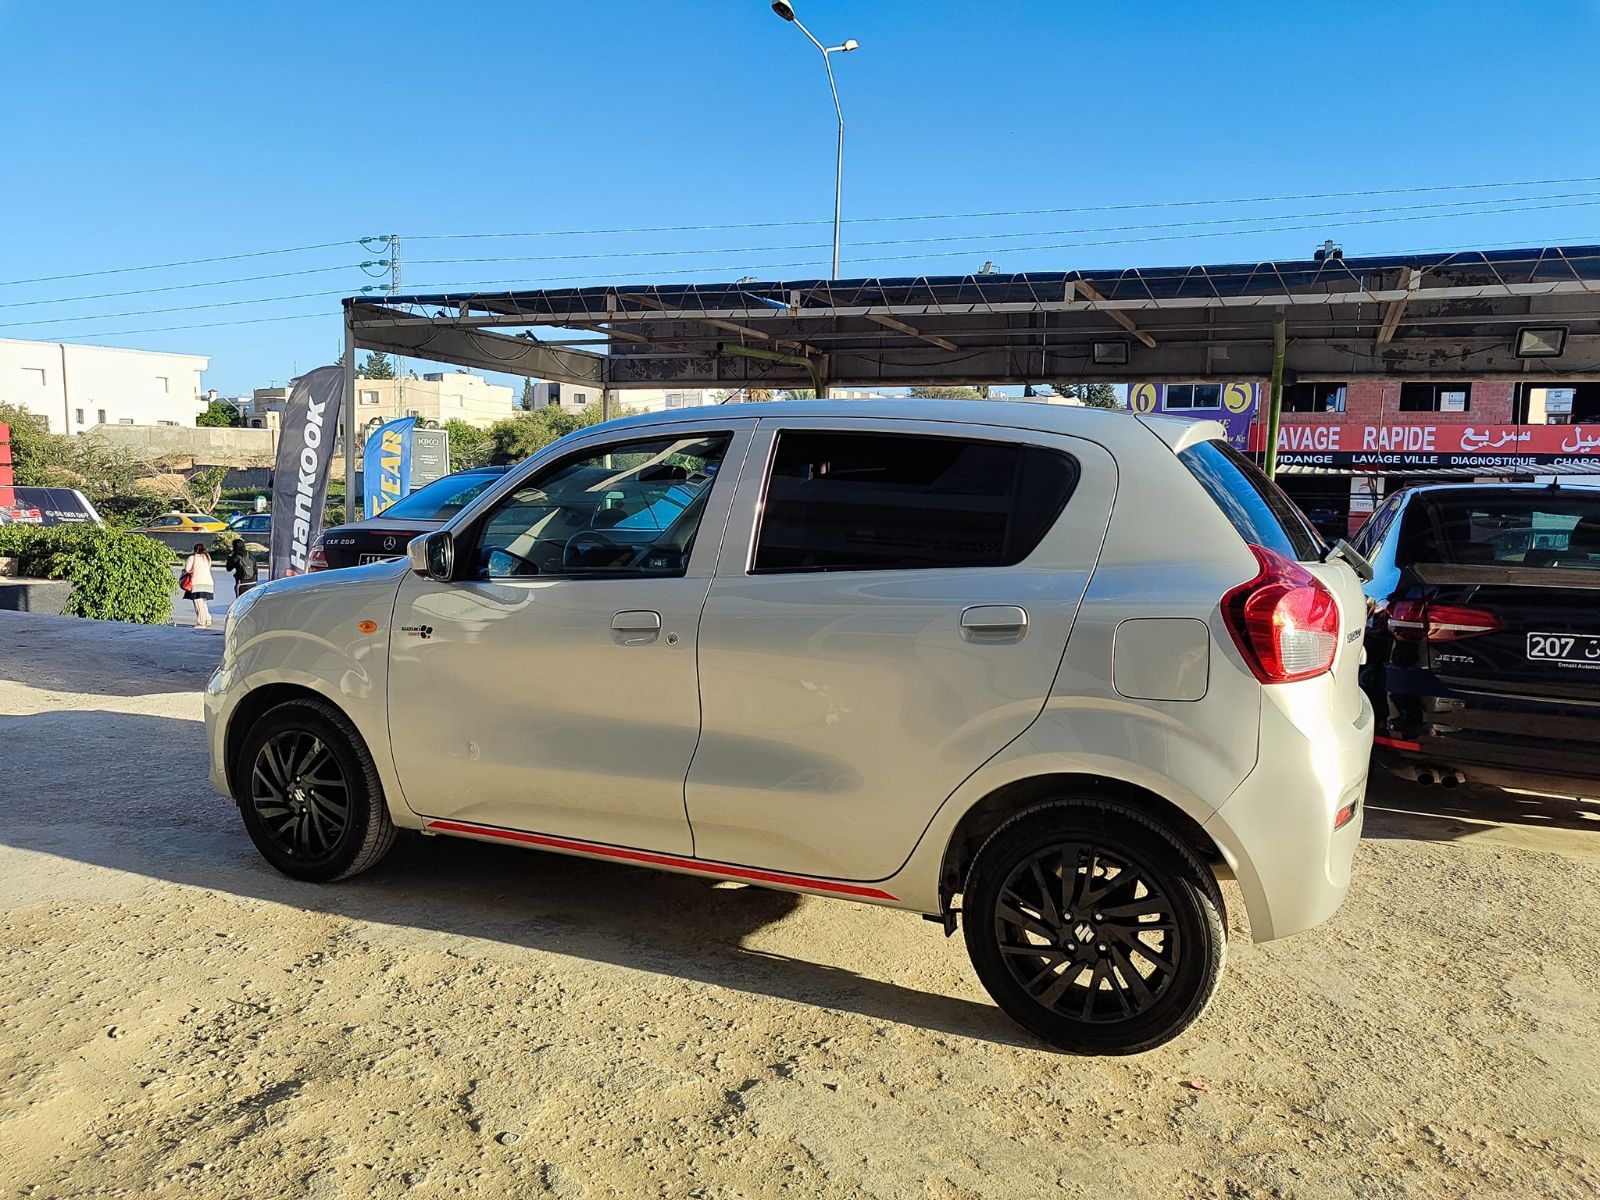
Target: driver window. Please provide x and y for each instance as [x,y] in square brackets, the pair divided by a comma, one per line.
[629,508]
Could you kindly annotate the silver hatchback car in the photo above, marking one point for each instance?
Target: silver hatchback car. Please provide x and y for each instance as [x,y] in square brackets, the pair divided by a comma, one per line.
[1055,670]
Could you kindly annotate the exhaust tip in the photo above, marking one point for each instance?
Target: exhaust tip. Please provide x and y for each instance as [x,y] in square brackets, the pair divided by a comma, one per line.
[1453,779]
[1425,778]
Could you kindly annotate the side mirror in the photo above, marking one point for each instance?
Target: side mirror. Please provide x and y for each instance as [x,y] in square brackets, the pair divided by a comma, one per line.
[438,555]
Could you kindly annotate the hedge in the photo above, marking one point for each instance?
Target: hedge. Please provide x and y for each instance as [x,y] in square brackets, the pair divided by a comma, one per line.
[115,576]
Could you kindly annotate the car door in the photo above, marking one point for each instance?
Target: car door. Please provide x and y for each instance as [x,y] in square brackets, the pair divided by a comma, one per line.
[889,611]
[552,688]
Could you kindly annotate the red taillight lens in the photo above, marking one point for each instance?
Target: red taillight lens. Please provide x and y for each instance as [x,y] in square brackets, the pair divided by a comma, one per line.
[317,559]
[1284,621]
[1420,620]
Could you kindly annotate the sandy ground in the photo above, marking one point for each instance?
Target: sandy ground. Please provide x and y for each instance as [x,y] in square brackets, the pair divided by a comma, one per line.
[468,1020]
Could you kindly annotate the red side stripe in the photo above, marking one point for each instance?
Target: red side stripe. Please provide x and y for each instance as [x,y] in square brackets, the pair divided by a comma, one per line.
[1397,743]
[724,870]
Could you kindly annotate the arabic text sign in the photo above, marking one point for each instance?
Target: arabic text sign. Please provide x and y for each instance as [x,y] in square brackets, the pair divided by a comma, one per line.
[1419,439]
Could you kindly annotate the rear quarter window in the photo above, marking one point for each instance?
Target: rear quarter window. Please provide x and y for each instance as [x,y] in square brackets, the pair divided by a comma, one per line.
[1257,507]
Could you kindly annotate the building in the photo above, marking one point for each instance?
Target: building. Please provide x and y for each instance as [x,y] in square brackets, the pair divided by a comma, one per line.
[1345,444]
[437,397]
[642,400]
[79,387]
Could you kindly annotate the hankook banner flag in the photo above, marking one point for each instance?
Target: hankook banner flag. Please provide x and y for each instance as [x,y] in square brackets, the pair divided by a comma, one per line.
[386,465]
[300,479]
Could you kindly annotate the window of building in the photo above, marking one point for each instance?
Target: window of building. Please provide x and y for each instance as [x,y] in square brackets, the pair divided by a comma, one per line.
[160,422]
[78,412]
[880,502]
[1435,397]
[1314,397]
[1193,395]
[674,399]
[34,376]
[369,397]
[124,420]
[580,397]
[457,402]
[164,383]
[102,413]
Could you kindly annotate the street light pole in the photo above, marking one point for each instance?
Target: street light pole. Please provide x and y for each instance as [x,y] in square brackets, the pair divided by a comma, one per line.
[786,10]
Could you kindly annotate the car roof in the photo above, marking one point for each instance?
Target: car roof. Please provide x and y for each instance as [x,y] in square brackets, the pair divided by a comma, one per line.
[1081,420]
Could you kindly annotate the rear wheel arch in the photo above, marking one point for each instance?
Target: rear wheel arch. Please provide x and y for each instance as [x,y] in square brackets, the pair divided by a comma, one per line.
[1009,800]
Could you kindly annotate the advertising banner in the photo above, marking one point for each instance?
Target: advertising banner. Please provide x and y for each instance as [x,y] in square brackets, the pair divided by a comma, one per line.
[1234,404]
[1415,445]
[430,456]
[300,479]
[46,506]
[386,465]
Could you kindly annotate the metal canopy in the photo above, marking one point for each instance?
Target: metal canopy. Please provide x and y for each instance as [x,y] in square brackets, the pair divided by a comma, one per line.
[1437,316]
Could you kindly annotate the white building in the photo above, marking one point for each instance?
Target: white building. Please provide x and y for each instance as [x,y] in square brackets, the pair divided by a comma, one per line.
[78,387]
[638,400]
[439,397]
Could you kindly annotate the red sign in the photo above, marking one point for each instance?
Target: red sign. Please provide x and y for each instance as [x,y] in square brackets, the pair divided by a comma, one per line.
[1418,438]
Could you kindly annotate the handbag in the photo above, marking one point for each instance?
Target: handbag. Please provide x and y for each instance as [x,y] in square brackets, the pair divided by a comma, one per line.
[186,581]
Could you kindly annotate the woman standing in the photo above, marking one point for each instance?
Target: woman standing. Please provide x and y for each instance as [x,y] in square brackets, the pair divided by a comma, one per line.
[198,584]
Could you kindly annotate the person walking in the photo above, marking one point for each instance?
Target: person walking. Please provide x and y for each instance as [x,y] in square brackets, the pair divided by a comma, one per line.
[198,584]
[242,565]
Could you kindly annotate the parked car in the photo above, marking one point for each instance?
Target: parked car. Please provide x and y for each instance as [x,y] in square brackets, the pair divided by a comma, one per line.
[251,526]
[184,522]
[385,536]
[1483,648]
[1055,670]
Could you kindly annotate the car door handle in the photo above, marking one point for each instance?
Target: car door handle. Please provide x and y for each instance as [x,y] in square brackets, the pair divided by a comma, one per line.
[995,619]
[639,625]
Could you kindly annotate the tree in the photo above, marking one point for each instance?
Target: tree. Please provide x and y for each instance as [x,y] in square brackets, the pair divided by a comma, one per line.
[469,445]
[35,451]
[528,398]
[520,437]
[1090,395]
[378,366]
[949,393]
[218,415]
[797,394]
[203,489]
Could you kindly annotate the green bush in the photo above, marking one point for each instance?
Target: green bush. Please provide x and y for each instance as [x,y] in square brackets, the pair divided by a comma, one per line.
[115,576]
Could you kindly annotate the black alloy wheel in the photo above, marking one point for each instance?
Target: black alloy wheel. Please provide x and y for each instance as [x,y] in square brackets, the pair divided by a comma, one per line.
[1094,926]
[309,794]
[300,794]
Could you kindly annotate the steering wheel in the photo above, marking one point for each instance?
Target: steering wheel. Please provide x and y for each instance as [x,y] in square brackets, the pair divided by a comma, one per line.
[588,539]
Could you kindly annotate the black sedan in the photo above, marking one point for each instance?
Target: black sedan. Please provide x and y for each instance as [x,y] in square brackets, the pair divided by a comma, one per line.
[1483,644]
[385,536]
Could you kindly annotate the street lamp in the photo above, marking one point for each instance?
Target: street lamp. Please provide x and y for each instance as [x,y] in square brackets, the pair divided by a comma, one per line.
[786,10]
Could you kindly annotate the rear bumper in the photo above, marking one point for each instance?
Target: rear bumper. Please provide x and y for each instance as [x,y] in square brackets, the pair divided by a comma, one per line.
[1277,829]
[1487,737]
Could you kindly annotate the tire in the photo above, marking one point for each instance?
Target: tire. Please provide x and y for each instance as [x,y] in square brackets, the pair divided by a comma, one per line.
[293,767]
[1132,985]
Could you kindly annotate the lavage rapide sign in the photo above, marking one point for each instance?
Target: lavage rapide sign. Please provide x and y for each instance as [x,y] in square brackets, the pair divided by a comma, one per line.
[300,479]
[1425,445]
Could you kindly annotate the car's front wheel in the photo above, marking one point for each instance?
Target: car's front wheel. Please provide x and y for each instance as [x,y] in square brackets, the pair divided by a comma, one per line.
[309,794]
[1094,927]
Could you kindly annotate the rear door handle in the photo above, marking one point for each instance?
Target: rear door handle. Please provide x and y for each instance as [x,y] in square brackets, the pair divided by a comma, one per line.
[995,619]
[638,625]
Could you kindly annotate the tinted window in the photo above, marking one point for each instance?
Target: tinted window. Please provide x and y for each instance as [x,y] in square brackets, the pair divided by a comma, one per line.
[1259,510]
[1546,528]
[441,499]
[885,501]
[627,508]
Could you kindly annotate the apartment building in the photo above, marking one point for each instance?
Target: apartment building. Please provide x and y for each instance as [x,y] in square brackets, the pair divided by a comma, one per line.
[76,388]
[438,397]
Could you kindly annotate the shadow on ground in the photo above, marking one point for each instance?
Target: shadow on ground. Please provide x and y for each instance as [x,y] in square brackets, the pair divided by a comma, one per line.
[1398,808]
[152,814]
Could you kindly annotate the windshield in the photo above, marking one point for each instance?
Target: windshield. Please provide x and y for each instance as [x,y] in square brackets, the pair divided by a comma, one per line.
[443,498]
[1549,528]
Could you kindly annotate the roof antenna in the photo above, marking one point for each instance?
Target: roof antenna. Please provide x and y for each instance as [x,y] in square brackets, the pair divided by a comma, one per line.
[987,268]
[1328,250]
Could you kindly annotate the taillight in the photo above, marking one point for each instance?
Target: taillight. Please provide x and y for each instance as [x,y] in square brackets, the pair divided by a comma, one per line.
[317,558]
[1284,621]
[1424,621]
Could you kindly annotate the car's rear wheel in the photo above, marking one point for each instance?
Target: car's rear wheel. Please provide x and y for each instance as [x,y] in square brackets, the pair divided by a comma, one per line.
[309,794]
[1094,926]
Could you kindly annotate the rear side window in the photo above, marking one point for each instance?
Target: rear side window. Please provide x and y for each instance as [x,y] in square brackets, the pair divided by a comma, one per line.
[889,501]
[1258,508]
[1547,528]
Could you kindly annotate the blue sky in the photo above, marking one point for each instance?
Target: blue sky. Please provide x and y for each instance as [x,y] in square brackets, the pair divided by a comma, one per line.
[141,134]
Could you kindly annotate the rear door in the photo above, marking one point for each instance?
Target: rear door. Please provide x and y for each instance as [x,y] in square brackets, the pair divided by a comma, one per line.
[889,610]
[1510,580]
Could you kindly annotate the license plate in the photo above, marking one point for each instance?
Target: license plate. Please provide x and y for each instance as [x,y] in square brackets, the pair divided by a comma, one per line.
[364,559]
[1566,649]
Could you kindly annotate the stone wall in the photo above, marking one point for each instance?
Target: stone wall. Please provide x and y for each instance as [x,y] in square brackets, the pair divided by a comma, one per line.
[186,446]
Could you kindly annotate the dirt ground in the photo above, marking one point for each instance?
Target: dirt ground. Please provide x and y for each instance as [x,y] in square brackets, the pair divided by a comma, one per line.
[470,1020]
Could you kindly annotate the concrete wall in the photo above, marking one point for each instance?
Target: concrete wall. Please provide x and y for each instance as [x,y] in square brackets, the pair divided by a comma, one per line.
[204,446]
[78,388]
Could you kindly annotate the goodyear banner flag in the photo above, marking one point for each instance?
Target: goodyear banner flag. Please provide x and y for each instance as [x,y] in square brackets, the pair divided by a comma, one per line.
[300,479]
[387,460]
